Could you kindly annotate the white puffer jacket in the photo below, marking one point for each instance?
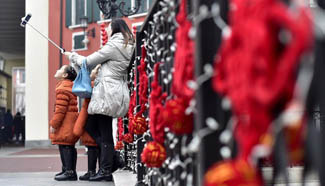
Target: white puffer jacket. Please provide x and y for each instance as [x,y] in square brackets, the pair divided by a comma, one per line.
[110,93]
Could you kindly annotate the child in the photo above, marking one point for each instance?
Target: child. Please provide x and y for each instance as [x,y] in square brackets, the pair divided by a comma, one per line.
[62,123]
[86,139]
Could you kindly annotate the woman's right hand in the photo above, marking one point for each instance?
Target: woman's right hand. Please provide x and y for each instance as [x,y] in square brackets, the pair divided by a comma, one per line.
[67,54]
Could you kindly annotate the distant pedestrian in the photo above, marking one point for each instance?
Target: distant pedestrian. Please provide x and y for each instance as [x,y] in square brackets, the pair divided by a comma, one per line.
[62,123]
[18,126]
[8,119]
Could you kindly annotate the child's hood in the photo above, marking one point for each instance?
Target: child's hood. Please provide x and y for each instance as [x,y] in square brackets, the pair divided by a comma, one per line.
[64,85]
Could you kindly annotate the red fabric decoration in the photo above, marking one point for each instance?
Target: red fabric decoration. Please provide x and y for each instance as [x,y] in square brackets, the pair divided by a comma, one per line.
[134,30]
[174,112]
[128,138]
[176,119]
[255,70]
[132,105]
[120,129]
[153,154]
[184,59]
[156,122]
[104,33]
[119,145]
[232,173]
[143,85]
[140,125]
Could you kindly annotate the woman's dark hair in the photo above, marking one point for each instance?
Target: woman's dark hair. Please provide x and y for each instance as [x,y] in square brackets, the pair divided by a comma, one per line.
[72,74]
[119,25]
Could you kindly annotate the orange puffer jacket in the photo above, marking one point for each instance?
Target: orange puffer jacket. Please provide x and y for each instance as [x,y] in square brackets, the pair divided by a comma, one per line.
[65,116]
[79,128]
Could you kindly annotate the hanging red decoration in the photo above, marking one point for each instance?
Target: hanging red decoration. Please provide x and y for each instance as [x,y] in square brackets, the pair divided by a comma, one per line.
[256,69]
[131,125]
[140,125]
[128,138]
[132,105]
[134,28]
[233,173]
[184,58]
[143,83]
[156,122]
[175,117]
[119,145]
[153,154]
[103,33]
[120,129]
[174,111]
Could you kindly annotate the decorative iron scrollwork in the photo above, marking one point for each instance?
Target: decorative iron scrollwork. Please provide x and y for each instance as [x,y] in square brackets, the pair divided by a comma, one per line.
[110,7]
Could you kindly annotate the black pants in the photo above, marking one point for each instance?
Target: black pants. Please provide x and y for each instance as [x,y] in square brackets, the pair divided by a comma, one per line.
[99,128]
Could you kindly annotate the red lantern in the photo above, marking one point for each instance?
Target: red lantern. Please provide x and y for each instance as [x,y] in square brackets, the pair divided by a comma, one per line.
[176,119]
[153,154]
[128,138]
[139,125]
[119,145]
[232,173]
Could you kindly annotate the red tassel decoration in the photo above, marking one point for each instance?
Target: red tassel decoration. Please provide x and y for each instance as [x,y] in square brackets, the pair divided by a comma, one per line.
[153,154]
[232,173]
[174,111]
[176,119]
[139,125]
[128,138]
[120,129]
[155,110]
[256,69]
[119,145]
[103,33]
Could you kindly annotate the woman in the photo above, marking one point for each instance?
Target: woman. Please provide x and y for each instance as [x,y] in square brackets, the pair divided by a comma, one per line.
[110,97]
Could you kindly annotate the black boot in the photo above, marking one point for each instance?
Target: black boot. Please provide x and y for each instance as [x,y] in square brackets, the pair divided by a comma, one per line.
[86,176]
[106,163]
[70,173]
[62,161]
[118,161]
[92,161]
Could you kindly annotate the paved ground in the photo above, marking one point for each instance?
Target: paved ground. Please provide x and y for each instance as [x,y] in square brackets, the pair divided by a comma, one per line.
[21,166]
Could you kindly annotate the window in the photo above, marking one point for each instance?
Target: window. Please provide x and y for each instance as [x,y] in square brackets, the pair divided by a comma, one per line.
[79,10]
[77,41]
[145,6]
[2,63]
[75,9]
[18,87]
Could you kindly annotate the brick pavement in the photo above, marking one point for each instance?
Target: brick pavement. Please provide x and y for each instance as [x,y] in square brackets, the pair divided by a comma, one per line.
[21,166]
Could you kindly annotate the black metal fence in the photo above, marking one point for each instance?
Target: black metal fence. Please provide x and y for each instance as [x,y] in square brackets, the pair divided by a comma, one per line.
[188,156]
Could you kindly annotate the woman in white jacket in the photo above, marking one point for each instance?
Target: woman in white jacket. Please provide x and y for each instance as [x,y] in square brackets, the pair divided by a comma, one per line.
[110,97]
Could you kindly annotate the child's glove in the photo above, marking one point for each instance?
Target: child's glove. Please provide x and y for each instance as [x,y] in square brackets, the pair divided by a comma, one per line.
[52,130]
